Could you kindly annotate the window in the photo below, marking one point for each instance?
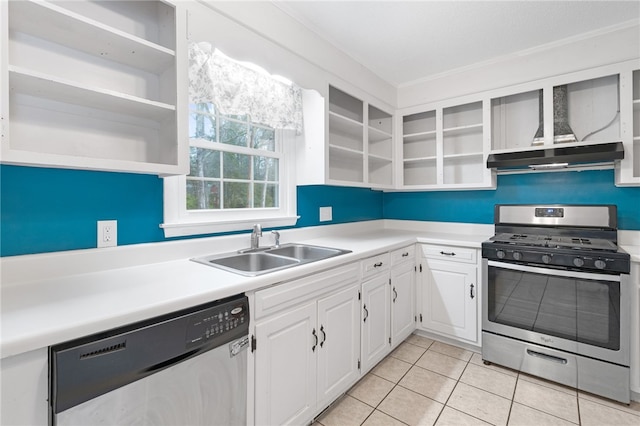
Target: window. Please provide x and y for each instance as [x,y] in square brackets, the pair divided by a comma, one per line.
[241,169]
[234,162]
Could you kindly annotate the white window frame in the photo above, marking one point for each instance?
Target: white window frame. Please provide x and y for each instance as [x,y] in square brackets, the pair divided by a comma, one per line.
[178,221]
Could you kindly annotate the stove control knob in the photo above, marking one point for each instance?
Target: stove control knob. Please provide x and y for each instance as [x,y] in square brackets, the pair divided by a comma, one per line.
[546,258]
[578,262]
[501,254]
[600,264]
[517,255]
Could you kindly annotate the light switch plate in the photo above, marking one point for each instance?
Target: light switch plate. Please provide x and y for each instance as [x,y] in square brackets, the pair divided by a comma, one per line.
[326,214]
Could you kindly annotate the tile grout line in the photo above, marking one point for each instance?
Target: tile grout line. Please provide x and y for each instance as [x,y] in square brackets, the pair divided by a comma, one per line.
[518,377]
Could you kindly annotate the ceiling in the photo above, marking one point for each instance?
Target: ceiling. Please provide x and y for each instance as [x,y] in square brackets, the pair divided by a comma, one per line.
[405,41]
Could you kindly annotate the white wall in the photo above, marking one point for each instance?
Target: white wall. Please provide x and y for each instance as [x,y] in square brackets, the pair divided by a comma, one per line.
[616,44]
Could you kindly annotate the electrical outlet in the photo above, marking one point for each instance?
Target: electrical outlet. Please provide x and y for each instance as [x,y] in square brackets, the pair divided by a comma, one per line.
[107,233]
[326,214]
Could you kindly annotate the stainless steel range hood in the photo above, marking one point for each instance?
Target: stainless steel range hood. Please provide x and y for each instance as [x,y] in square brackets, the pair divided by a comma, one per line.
[557,157]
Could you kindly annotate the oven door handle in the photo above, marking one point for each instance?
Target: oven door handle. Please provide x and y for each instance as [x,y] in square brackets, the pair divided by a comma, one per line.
[554,272]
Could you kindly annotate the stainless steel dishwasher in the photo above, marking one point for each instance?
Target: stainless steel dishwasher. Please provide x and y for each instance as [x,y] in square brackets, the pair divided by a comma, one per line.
[184,368]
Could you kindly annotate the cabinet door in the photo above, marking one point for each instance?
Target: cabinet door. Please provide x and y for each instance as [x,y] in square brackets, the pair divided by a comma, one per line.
[375,320]
[285,360]
[402,301]
[339,347]
[448,302]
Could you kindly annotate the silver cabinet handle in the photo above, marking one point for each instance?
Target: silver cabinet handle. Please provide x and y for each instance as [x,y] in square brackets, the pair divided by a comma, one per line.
[324,335]
[471,292]
[366,312]
[395,295]
[313,348]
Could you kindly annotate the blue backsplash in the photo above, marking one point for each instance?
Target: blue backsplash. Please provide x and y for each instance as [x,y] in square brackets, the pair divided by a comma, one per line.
[46,210]
[586,187]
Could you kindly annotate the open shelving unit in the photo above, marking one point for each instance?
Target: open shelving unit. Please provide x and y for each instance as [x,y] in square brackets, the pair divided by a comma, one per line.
[379,147]
[462,144]
[360,142]
[419,148]
[443,148]
[94,85]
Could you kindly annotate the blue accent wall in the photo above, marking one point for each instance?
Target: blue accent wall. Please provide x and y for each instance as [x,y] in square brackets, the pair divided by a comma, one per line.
[47,210]
[348,204]
[585,187]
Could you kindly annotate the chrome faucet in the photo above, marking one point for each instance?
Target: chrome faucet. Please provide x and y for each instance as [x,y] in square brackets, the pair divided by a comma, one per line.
[276,235]
[255,236]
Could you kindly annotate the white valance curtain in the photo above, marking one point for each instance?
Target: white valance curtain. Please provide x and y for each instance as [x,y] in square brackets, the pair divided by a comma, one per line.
[236,89]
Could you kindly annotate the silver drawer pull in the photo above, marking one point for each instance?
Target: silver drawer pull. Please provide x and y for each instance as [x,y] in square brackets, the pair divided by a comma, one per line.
[445,253]
[546,357]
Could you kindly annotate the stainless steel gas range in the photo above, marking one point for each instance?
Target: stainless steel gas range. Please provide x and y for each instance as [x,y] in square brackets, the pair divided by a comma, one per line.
[556,296]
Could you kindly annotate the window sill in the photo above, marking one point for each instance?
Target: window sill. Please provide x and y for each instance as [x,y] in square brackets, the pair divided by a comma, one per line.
[200,228]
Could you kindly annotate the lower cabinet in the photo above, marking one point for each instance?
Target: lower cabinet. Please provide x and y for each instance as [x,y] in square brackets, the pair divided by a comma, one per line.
[388,303]
[376,320]
[307,354]
[403,294]
[286,364]
[449,292]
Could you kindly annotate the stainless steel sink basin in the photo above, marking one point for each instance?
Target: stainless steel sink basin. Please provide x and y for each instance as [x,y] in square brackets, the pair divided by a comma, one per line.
[305,252]
[262,261]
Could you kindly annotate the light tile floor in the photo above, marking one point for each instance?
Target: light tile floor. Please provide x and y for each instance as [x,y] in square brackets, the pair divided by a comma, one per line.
[425,382]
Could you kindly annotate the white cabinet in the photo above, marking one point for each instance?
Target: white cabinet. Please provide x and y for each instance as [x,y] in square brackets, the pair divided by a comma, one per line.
[445,147]
[600,105]
[339,351]
[360,142]
[531,118]
[375,321]
[403,294]
[24,381]
[95,85]
[307,345]
[376,310]
[388,303]
[448,292]
[285,365]
[628,172]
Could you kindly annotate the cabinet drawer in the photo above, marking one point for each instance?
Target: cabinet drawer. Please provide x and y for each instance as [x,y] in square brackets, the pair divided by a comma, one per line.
[375,264]
[281,296]
[404,254]
[456,254]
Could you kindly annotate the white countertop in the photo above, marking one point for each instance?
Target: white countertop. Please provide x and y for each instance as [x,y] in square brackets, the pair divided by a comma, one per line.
[52,298]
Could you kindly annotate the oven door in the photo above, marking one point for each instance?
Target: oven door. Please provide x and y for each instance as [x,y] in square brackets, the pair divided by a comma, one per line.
[582,313]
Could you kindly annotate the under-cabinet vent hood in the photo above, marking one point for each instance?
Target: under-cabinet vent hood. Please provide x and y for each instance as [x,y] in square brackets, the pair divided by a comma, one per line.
[557,157]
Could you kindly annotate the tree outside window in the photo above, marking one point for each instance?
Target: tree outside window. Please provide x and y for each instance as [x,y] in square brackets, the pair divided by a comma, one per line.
[234,162]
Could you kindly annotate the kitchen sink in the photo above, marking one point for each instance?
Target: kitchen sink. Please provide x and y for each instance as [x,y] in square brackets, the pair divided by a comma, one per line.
[305,252]
[262,261]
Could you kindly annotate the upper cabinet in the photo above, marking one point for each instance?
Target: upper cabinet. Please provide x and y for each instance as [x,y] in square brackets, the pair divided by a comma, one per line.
[444,148]
[581,112]
[445,145]
[628,172]
[360,142]
[95,85]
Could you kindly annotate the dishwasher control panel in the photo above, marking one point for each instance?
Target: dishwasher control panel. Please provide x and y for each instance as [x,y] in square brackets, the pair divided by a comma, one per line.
[219,324]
